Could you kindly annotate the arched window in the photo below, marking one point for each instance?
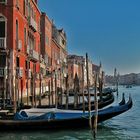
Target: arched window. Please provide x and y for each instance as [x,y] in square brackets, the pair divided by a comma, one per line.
[16,30]
[2,26]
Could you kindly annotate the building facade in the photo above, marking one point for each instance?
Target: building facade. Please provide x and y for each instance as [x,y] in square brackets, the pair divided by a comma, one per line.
[19,49]
[76,65]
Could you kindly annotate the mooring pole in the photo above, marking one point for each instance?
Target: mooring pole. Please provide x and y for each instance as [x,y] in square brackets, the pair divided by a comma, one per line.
[96,108]
[83,96]
[40,89]
[27,86]
[67,94]
[21,83]
[49,88]
[89,101]
[56,97]
[14,93]
[118,84]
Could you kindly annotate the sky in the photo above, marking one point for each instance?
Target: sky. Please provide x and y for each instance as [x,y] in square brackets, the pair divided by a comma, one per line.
[108,30]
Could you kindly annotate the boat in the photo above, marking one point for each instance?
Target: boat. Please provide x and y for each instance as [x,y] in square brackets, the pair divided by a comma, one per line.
[48,119]
[129,86]
[107,100]
[123,100]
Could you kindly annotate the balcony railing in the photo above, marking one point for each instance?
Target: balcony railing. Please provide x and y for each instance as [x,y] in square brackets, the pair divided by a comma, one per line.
[34,55]
[2,43]
[33,24]
[19,72]
[3,71]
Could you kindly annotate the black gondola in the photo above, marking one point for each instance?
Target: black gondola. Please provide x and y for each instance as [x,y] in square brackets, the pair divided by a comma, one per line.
[61,118]
[107,100]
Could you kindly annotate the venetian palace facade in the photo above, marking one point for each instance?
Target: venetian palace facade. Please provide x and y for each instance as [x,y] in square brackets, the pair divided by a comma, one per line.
[32,51]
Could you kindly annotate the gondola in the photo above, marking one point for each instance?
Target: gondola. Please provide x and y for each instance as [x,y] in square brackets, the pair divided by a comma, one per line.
[59,119]
[123,100]
[107,100]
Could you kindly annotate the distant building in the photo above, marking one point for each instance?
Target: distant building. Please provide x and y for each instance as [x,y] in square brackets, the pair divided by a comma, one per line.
[127,79]
[75,64]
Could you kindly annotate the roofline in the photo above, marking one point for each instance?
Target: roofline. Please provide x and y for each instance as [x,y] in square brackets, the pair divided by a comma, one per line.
[36,6]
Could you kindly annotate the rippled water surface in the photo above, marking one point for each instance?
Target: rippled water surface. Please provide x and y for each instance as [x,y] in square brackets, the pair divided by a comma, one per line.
[123,127]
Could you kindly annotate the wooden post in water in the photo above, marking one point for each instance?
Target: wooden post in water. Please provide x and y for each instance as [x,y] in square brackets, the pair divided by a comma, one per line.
[101,84]
[52,88]
[4,91]
[14,93]
[96,108]
[32,86]
[49,87]
[21,81]
[76,90]
[118,84]
[89,100]
[35,94]
[83,96]
[61,89]
[27,86]
[56,97]
[17,91]
[67,94]
[40,89]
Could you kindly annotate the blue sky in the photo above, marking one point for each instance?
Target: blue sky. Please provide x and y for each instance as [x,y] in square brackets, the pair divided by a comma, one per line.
[109,30]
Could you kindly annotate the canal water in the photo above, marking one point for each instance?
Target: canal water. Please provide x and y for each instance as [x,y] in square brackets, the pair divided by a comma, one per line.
[123,127]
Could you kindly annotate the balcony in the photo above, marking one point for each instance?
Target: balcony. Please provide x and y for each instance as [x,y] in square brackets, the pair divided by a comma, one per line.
[19,72]
[3,71]
[2,43]
[19,45]
[33,24]
[33,55]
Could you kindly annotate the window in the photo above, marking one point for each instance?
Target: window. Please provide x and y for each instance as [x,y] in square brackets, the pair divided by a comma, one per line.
[25,36]
[3,1]
[16,33]
[16,30]
[63,41]
[2,60]
[24,7]
[17,62]
[2,28]
[26,64]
